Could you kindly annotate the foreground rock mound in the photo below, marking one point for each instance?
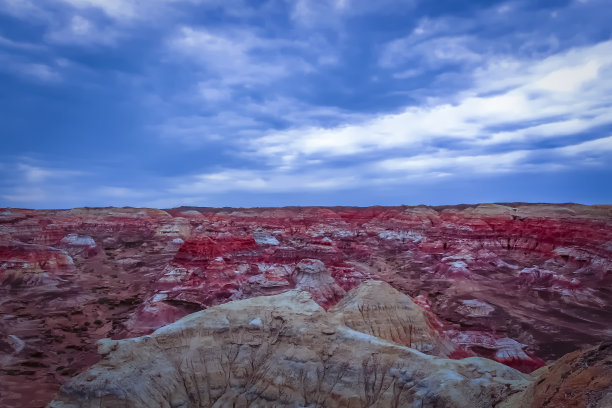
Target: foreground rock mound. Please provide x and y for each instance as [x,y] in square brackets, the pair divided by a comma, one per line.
[578,379]
[282,351]
[375,308]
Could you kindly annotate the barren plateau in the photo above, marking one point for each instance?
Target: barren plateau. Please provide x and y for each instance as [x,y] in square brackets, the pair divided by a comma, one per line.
[491,305]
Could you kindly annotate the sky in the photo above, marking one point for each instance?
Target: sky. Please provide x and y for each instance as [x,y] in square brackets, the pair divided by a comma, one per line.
[245,103]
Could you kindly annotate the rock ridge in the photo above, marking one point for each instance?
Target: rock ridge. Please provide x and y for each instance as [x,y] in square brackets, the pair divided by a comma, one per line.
[297,354]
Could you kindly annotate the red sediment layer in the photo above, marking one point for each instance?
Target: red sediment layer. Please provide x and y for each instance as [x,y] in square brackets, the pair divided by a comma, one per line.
[537,274]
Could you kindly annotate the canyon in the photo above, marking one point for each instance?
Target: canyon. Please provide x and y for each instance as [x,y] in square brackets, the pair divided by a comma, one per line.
[505,305]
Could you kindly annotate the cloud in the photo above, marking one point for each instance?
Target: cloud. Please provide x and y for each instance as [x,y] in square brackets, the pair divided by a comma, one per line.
[118,194]
[119,9]
[29,183]
[35,174]
[238,121]
[40,72]
[24,9]
[420,168]
[315,13]
[600,147]
[241,81]
[19,45]
[271,180]
[141,10]
[210,91]
[430,53]
[449,163]
[569,79]
[101,22]
[39,174]
[42,184]
[47,72]
[82,31]
[28,196]
[239,56]
[332,13]
[528,102]
[124,10]
[197,129]
[284,97]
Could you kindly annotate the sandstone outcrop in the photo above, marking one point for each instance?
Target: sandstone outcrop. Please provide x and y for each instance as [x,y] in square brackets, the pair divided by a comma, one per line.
[377,309]
[282,351]
[312,276]
[578,379]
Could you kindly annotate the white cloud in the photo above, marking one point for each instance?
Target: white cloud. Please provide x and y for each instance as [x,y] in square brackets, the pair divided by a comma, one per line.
[569,79]
[34,183]
[598,147]
[39,174]
[123,193]
[30,70]
[41,184]
[7,42]
[527,100]
[24,9]
[553,129]
[238,120]
[239,57]
[212,91]
[586,63]
[247,82]
[273,180]
[41,72]
[120,9]
[194,130]
[82,31]
[26,195]
[452,163]
[416,169]
[34,174]
[317,13]
[428,53]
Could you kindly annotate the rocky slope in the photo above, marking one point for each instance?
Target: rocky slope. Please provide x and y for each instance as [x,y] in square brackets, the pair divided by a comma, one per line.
[578,379]
[286,351]
[520,284]
[282,351]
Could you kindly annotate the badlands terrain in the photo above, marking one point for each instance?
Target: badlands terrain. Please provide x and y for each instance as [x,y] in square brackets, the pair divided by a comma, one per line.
[487,305]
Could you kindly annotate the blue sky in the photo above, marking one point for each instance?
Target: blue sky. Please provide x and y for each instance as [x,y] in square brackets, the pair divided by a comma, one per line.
[162,103]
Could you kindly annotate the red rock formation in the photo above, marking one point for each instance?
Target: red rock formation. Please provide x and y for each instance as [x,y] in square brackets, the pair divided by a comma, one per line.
[25,265]
[516,283]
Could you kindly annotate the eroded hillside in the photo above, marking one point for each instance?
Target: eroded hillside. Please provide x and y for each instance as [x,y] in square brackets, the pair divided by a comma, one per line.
[519,284]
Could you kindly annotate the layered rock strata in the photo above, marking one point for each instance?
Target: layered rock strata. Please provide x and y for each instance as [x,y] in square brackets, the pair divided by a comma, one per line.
[282,351]
[520,284]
